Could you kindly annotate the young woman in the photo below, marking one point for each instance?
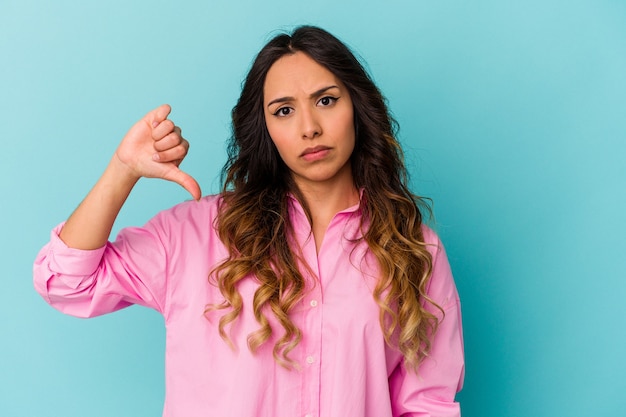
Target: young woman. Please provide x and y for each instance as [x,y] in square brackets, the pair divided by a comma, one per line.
[309,286]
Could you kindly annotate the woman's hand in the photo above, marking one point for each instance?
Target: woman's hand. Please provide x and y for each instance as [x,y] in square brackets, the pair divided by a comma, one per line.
[154,148]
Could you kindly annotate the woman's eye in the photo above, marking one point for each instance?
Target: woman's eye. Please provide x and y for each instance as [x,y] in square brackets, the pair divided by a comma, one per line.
[327,101]
[283,111]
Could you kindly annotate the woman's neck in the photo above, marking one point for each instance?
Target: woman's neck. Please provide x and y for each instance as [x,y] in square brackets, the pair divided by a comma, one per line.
[324,201]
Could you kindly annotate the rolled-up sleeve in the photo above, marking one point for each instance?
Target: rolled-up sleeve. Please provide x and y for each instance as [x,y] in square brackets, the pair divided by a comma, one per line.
[88,283]
[431,392]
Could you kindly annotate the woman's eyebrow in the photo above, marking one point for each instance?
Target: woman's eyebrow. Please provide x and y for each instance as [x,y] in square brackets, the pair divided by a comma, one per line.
[312,95]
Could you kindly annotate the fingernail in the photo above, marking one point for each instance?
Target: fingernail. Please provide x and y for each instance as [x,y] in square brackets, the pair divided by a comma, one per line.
[155,124]
[156,157]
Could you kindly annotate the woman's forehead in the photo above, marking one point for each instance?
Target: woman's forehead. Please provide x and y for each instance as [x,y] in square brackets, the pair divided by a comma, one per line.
[297,74]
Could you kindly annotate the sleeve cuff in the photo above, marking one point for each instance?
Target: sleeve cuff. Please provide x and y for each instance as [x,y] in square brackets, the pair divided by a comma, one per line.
[71,262]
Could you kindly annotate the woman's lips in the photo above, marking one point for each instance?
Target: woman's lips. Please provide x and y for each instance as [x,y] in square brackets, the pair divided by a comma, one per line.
[315,153]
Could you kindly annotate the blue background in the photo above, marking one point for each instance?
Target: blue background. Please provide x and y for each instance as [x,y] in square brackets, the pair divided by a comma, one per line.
[513,117]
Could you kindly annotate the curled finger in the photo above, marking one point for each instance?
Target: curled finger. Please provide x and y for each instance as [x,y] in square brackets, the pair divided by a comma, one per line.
[163,129]
[173,154]
[169,141]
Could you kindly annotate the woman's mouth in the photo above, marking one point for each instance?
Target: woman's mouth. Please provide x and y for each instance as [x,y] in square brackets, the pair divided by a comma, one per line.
[315,153]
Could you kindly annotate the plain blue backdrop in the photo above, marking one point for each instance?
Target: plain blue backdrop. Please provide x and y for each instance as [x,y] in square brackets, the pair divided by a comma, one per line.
[513,118]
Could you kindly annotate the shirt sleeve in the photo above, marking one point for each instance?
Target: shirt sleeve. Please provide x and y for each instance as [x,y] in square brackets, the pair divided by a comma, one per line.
[431,392]
[88,283]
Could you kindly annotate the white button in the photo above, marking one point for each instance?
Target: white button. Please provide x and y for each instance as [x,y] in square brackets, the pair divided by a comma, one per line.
[313,304]
[310,359]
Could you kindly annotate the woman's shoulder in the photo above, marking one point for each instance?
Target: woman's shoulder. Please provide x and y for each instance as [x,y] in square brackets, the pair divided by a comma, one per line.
[191,211]
[441,286]
[431,238]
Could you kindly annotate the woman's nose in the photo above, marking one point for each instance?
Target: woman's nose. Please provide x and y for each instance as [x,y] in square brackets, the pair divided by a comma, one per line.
[310,125]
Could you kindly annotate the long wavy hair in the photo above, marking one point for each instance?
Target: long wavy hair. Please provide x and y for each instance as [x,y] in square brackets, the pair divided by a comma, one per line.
[253,221]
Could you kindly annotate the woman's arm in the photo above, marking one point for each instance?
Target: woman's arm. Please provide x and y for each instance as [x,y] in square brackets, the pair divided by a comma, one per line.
[431,392]
[78,272]
[153,148]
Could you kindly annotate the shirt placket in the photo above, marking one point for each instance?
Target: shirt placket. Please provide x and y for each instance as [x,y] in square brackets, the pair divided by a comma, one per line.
[312,346]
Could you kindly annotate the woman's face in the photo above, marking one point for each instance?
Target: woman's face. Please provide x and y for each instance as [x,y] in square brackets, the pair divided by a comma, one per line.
[309,116]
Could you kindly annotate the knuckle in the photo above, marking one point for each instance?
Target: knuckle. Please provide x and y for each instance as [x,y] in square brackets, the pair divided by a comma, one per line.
[168,124]
[174,139]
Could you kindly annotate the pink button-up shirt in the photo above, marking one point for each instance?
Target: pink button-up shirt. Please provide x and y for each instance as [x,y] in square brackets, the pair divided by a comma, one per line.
[345,368]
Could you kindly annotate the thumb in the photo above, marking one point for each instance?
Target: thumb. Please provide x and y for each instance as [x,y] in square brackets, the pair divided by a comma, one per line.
[186,181]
